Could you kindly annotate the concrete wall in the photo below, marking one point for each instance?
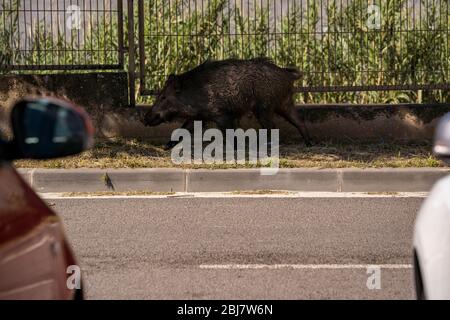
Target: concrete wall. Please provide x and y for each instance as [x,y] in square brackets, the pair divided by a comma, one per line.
[101,94]
[105,97]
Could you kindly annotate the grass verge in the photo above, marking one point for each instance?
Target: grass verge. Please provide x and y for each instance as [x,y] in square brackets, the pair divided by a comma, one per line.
[261,192]
[116,193]
[138,153]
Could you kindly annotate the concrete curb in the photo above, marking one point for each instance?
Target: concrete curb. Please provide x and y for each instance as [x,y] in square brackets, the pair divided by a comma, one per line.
[186,180]
[94,180]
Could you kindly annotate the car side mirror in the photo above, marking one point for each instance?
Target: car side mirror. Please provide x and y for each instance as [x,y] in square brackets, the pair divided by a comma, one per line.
[442,139]
[49,128]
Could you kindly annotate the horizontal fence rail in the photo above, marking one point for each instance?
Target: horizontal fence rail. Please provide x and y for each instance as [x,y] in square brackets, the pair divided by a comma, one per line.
[340,45]
[61,34]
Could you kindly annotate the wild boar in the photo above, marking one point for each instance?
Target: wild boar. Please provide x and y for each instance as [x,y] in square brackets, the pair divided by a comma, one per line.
[224,91]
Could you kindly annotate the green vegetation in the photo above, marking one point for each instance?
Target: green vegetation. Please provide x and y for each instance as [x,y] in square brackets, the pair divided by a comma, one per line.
[348,53]
[50,42]
[7,54]
[180,34]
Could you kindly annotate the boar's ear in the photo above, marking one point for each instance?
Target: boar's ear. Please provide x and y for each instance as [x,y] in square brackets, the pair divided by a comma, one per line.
[175,82]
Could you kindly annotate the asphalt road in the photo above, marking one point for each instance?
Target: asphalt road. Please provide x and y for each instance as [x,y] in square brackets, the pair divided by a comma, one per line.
[241,248]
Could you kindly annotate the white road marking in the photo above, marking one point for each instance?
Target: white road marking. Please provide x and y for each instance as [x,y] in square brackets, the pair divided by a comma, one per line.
[302,266]
[287,194]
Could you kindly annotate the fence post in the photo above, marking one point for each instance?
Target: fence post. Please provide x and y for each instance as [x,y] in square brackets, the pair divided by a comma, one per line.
[120,33]
[141,36]
[131,54]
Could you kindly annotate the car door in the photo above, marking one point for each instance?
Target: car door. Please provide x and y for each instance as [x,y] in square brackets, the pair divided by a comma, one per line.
[33,253]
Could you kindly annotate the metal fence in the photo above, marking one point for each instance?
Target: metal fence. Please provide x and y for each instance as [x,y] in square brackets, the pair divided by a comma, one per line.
[341,45]
[61,34]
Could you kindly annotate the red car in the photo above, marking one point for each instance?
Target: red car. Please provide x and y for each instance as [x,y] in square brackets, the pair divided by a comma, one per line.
[36,261]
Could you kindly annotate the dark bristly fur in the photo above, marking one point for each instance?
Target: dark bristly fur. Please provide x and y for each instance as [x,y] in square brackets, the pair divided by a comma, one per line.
[224,91]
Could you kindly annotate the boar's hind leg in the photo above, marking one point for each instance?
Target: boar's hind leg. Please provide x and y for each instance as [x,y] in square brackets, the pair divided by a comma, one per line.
[292,116]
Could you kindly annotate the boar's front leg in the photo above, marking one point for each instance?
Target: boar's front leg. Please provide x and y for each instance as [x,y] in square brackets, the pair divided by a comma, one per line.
[188,125]
[265,119]
[225,122]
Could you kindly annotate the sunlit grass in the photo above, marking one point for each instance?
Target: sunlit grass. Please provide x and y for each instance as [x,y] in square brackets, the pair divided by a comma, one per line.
[137,153]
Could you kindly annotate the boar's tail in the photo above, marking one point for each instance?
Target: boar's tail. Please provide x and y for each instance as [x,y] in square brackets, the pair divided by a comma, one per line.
[294,72]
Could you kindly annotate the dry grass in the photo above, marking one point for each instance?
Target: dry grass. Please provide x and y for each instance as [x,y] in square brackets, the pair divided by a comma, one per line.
[386,193]
[137,153]
[260,192]
[116,193]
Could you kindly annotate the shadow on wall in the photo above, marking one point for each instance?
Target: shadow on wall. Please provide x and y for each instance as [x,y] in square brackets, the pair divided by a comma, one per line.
[336,122]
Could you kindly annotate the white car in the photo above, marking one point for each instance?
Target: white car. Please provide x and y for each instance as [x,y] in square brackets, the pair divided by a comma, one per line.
[432,230]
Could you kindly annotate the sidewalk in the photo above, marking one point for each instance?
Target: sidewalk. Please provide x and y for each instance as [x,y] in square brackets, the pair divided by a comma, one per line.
[228,180]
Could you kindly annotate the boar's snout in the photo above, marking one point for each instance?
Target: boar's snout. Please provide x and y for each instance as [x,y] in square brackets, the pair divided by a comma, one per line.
[153,118]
